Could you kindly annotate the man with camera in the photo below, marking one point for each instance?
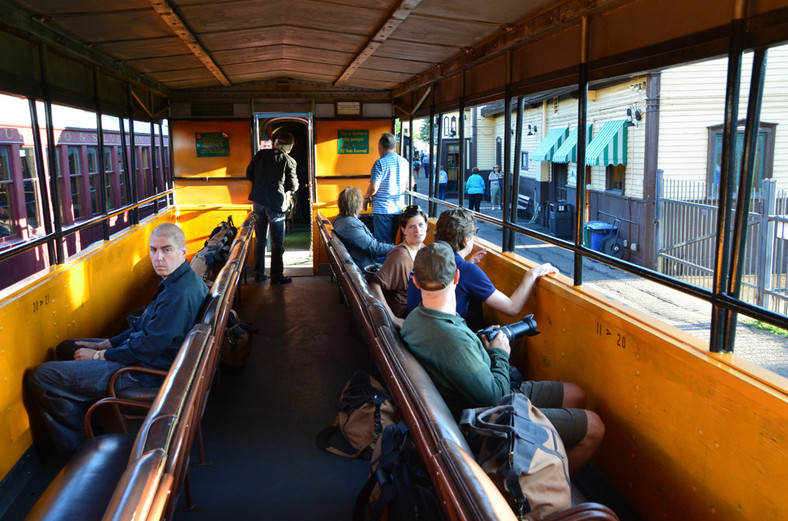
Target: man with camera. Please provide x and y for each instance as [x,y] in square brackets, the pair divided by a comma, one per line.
[457,227]
[473,372]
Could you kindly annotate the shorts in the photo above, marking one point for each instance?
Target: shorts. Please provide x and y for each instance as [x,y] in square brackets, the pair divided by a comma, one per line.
[571,424]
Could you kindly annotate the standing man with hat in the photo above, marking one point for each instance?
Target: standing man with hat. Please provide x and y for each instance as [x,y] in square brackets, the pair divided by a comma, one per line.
[273,174]
[386,190]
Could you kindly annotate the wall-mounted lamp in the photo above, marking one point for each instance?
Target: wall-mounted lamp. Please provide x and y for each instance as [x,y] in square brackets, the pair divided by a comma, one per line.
[634,115]
[532,130]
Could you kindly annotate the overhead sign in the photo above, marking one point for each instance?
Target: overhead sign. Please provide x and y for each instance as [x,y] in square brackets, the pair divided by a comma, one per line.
[352,141]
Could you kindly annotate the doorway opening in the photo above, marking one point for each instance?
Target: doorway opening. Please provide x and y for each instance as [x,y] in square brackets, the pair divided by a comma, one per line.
[298,236]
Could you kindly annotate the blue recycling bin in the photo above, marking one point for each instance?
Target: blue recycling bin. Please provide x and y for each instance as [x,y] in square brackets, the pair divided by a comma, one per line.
[598,232]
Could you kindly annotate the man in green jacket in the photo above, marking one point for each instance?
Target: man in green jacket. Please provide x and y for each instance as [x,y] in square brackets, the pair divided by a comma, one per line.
[470,372]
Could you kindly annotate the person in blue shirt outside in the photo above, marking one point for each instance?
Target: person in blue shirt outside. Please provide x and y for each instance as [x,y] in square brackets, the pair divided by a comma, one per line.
[474,187]
[362,246]
[458,227]
[62,388]
[443,181]
[425,164]
[388,181]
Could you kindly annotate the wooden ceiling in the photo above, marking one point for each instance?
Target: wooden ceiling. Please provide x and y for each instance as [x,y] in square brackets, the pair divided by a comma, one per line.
[369,44]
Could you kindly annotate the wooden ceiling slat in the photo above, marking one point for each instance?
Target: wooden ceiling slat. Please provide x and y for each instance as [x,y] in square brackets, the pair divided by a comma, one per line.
[251,14]
[168,63]
[143,49]
[271,52]
[314,38]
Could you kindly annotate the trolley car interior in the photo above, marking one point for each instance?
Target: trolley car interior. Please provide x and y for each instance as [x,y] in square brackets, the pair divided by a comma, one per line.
[119,116]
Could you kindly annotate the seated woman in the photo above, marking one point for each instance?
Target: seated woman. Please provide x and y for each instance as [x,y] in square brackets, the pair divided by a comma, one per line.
[362,246]
[390,284]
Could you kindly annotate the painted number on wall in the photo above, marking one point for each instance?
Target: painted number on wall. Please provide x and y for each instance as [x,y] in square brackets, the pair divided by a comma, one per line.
[43,301]
[621,340]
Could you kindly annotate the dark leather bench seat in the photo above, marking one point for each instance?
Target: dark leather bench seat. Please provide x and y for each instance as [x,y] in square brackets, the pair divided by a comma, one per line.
[83,489]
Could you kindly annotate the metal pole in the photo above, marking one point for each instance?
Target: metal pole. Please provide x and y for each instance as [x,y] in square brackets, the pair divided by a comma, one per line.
[431,206]
[54,167]
[739,242]
[719,315]
[42,179]
[518,145]
[582,181]
[461,156]
[131,171]
[507,163]
[102,167]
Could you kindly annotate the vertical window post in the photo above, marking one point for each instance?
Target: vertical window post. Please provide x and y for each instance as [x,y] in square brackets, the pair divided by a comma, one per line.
[42,180]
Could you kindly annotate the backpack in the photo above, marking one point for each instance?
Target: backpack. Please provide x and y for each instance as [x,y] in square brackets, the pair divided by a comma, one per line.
[211,258]
[523,455]
[237,343]
[365,409]
[399,486]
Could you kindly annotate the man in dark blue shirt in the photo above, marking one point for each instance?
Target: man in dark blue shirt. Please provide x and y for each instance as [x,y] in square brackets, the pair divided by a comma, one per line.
[62,388]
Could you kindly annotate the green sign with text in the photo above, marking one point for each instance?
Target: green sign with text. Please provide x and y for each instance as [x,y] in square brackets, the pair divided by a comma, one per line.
[352,141]
[213,144]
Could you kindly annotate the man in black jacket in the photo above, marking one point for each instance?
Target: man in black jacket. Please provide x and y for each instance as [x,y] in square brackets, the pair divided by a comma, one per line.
[273,174]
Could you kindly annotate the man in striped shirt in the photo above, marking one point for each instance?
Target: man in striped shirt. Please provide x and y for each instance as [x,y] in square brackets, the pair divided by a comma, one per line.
[387,185]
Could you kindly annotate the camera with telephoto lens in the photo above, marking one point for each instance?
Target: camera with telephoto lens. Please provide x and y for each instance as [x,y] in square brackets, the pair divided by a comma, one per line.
[525,327]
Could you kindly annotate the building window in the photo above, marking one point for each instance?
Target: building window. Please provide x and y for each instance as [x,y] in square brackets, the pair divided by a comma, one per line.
[94,180]
[6,183]
[614,176]
[108,177]
[453,126]
[74,176]
[122,175]
[142,171]
[499,152]
[764,155]
[30,184]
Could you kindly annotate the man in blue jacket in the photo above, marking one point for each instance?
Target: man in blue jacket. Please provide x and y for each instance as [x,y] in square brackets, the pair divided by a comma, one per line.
[61,389]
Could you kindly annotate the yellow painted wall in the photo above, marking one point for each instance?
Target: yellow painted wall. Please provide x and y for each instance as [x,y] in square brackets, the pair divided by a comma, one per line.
[328,162]
[198,222]
[187,164]
[88,296]
[689,434]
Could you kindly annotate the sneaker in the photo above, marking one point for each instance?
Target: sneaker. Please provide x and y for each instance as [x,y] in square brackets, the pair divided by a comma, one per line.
[260,278]
[281,279]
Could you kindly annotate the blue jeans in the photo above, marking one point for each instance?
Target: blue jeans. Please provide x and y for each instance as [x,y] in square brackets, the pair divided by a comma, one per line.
[442,191]
[63,390]
[264,218]
[385,226]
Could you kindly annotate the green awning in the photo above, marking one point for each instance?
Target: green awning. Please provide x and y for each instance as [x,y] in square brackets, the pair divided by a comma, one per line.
[609,146]
[567,153]
[546,148]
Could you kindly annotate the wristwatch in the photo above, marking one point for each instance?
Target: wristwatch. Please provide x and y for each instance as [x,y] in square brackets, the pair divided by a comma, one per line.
[97,355]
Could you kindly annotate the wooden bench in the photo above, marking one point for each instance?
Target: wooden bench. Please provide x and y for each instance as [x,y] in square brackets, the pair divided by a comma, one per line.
[465,490]
[123,476]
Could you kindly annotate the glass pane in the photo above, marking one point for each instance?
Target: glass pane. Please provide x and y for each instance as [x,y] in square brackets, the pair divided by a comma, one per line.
[76,196]
[5,164]
[94,191]
[6,205]
[92,160]
[32,195]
